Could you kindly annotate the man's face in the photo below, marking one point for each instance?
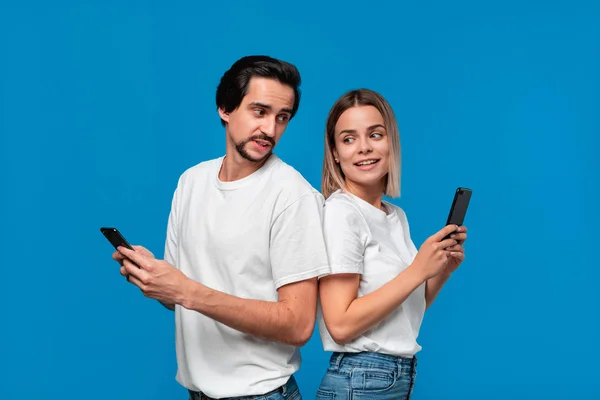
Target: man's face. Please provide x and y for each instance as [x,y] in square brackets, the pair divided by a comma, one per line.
[254,128]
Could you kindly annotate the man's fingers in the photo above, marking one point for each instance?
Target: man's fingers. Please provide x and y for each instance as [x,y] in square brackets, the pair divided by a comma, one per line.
[135,281]
[134,256]
[133,270]
[144,251]
[118,257]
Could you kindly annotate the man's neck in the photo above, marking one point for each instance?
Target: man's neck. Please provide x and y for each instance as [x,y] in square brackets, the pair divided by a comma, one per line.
[235,167]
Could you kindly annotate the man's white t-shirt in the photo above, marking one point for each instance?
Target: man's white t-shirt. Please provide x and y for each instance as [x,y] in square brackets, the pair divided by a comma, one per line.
[246,238]
[363,239]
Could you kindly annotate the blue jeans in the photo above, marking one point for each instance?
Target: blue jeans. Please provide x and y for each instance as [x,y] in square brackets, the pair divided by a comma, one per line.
[368,376]
[289,391]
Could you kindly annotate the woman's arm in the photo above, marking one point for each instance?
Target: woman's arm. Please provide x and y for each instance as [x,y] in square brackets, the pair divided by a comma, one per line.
[433,287]
[347,316]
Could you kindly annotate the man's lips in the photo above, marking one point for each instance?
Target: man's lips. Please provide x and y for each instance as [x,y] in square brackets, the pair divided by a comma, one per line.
[263,143]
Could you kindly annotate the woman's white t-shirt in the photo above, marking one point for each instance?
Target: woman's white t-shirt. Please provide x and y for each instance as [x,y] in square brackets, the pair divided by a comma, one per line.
[363,239]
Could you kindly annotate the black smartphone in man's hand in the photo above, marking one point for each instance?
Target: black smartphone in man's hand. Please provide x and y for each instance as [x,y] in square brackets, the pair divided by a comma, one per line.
[115,238]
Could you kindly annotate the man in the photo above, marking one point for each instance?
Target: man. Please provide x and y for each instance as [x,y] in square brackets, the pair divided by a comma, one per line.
[244,248]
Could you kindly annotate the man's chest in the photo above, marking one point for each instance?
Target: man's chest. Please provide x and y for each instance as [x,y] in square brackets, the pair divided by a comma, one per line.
[229,230]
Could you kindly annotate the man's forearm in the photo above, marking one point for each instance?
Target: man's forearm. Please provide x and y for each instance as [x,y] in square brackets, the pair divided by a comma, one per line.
[268,320]
[168,306]
[433,287]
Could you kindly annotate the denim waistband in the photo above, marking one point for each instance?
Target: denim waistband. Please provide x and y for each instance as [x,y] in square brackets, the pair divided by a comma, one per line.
[372,360]
[289,387]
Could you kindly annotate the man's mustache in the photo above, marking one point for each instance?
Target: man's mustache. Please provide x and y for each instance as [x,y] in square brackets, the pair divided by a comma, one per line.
[262,136]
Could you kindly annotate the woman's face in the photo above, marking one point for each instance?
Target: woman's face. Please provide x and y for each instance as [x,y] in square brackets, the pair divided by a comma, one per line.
[362,147]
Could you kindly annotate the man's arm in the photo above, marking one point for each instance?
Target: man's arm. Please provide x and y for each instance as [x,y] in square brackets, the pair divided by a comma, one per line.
[172,239]
[168,306]
[289,320]
[298,256]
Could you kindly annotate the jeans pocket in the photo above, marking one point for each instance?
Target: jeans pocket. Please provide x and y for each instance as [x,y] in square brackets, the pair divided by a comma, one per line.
[372,380]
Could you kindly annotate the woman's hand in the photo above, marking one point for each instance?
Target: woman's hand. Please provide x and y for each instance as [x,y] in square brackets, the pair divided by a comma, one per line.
[434,254]
[457,252]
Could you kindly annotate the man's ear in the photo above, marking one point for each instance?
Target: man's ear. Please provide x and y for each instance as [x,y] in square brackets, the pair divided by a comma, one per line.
[224,115]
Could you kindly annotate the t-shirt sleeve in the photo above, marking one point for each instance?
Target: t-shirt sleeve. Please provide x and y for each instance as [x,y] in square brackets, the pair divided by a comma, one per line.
[297,246]
[345,233]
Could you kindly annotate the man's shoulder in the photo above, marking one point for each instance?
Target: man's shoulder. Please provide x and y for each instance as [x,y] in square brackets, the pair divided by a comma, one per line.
[201,170]
[289,182]
[289,177]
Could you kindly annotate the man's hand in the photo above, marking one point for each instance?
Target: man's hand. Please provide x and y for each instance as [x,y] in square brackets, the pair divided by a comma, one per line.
[118,257]
[157,279]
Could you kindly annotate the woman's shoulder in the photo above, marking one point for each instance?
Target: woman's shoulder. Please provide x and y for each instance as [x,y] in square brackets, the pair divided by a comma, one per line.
[339,197]
[342,201]
[341,205]
[398,211]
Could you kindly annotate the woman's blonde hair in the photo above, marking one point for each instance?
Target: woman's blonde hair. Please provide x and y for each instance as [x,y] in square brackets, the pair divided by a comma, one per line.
[333,177]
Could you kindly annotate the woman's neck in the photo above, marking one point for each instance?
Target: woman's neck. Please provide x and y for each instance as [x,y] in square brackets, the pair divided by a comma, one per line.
[371,194]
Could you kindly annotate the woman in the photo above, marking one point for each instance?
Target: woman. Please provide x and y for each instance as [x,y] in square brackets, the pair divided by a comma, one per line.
[372,304]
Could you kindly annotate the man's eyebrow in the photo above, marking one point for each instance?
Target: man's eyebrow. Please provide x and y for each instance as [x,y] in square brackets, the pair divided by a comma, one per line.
[268,107]
[259,104]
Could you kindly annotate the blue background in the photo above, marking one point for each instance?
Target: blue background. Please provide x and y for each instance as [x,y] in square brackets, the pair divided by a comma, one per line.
[104,104]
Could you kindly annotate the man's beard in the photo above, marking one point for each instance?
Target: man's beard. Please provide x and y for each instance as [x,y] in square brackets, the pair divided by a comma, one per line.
[241,147]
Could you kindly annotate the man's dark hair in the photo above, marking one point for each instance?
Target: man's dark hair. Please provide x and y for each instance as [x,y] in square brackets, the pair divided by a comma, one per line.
[234,83]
